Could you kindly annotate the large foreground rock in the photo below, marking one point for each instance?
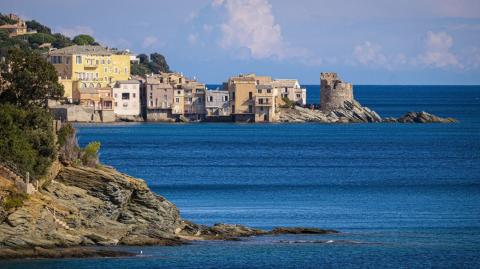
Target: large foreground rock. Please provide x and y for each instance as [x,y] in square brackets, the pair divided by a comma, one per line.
[91,207]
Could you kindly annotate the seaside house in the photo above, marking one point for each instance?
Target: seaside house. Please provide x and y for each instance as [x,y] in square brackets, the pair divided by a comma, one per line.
[249,95]
[157,99]
[265,103]
[178,107]
[194,100]
[217,103]
[99,101]
[290,88]
[126,94]
[81,67]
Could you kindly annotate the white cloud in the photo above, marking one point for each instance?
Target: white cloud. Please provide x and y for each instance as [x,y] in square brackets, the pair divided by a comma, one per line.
[251,25]
[76,30]
[149,41]
[437,51]
[369,54]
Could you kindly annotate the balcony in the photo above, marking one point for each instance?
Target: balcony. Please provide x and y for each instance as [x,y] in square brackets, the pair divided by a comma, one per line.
[264,101]
[90,66]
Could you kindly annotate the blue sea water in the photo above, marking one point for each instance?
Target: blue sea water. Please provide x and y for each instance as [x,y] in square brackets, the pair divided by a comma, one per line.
[403,196]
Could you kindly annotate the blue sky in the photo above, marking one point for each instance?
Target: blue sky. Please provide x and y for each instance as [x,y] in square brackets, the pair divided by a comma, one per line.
[367,42]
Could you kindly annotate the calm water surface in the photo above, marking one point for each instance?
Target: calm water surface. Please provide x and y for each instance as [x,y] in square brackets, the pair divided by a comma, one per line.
[404,196]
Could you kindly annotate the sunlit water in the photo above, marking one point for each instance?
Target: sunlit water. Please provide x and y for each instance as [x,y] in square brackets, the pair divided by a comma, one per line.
[403,196]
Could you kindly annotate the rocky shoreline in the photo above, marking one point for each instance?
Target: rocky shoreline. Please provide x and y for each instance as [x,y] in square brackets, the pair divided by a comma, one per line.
[353,112]
[101,207]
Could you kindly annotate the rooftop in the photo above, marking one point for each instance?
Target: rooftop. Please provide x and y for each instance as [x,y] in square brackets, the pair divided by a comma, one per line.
[87,50]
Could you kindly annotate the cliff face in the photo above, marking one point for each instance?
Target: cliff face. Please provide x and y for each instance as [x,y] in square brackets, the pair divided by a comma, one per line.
[85,206]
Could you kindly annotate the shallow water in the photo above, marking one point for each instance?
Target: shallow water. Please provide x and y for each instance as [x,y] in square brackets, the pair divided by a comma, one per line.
[403,196]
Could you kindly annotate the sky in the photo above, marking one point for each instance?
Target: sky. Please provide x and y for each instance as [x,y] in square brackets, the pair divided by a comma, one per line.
[408,42]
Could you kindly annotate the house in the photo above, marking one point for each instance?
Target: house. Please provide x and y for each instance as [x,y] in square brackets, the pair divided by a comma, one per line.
[217,103]
[16,29]
[247,96]
[265,103]
[126,94]
[290,88]
[194,100]
[99,100]
[157,99]
[81,67]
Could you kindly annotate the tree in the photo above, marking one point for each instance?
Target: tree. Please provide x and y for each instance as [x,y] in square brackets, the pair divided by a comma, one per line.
[26,79]
[38,39]
[35,25]
[83,40]
[158,63]
[61,41]
[27,138]
[143,58]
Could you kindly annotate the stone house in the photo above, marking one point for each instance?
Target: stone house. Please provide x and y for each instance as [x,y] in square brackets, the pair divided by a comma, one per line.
[158,98]
[217,103]
[290,88]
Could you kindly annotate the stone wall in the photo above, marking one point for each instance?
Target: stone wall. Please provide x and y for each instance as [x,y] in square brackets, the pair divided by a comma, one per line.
[334,92]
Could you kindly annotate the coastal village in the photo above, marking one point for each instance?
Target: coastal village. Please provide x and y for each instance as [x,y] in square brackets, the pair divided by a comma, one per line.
[99,88]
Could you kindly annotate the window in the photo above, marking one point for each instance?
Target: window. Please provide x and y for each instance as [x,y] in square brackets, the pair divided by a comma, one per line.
[126,70]
[79,59]
[260,101]
[260,91]
[67,60]
[116,95]
[105,70]
[250,95]
[298,95]
[125,104]
[125,96]
[225,98]
[269,91]
[116,104]
[210,98]
[108,61]
[151,102]
[250,109]
[178,92]
[134,95]
[177,100]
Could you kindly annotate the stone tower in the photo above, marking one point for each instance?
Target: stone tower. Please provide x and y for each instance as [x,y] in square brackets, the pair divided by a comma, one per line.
[334,92]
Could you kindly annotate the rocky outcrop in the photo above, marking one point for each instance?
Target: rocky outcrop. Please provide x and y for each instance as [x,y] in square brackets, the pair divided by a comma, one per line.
[354,112]
[85,206]
[420,117]
[351,112]
[220,231]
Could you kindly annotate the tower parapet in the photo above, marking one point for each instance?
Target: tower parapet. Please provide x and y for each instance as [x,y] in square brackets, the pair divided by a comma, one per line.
[334,92]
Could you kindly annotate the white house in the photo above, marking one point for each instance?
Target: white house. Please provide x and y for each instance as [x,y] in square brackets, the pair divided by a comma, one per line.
[126,94]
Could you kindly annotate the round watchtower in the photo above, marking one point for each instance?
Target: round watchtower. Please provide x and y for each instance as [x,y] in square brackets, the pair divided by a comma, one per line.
[334,92]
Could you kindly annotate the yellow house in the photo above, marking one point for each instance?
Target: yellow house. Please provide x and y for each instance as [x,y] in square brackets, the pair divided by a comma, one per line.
[81,67]
[251,98]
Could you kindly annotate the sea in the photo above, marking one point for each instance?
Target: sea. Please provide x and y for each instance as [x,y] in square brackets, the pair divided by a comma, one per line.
[401,195]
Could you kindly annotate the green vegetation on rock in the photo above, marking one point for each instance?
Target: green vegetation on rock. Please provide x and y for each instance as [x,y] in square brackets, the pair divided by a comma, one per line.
[157,63]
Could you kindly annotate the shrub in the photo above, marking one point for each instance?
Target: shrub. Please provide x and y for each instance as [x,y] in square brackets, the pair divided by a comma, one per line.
[90,154]
[287,103]
[14,200]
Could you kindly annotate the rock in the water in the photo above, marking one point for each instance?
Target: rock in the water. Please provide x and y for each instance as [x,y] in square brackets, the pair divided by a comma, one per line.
[420,117]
